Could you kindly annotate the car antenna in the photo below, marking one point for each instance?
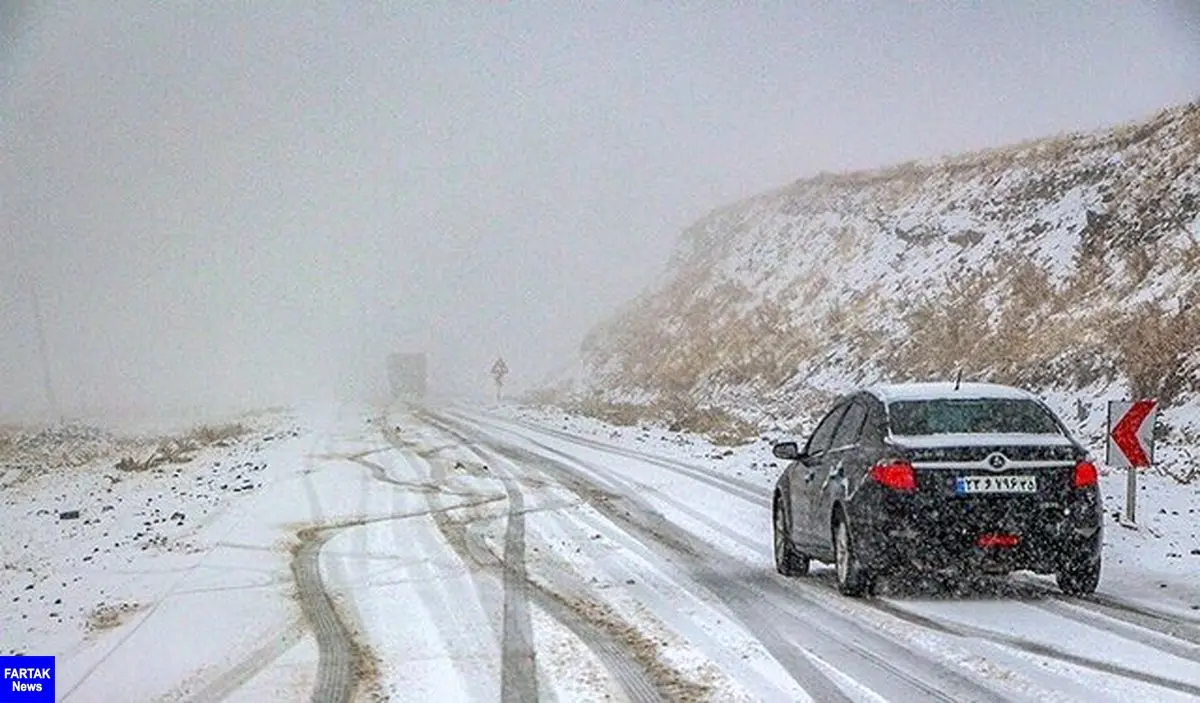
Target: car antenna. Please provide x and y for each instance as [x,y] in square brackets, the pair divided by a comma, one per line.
[958,380]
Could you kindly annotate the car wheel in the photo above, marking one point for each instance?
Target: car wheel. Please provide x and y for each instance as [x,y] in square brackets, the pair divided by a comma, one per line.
[1080,577]
[852,578]
[788,561]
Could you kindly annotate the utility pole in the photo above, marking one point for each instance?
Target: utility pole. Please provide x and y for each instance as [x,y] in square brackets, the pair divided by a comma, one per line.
[43,354]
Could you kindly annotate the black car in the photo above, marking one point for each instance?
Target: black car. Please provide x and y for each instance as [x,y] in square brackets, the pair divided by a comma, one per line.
[963,478]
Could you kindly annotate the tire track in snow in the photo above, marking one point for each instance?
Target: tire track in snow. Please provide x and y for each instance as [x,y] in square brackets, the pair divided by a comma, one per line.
[1174,626]
[626,652]
[174,589]
[1097,604]
[732,487]
[229,681]
[380,474]
[745,490]
[804,671]
[518,671]
[710,571]
[679,505]
[449,603]
[458,601]
[659,598]
[605,637]
[1169,634]
[518,654]
[342,662]
[251,665]
[1038,648]
[335,681]
[519,657]
[1117,603]
[1173,638]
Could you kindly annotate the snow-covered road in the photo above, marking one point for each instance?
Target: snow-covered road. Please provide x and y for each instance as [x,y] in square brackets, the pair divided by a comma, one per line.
[451,554]
[694,561]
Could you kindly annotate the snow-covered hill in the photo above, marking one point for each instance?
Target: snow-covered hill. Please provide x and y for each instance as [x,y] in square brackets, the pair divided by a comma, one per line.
[1070,265]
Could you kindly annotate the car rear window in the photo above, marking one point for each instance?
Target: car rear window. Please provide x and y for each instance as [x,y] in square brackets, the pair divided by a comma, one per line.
[973,416]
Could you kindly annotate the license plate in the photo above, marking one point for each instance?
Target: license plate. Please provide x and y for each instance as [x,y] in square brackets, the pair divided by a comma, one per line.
[973,485]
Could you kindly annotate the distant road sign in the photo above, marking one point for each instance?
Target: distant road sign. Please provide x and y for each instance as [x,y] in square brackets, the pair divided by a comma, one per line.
[499,369]
[1130,440]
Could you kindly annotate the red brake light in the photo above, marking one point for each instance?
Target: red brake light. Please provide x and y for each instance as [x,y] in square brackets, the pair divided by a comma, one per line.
[895,474]
[1085,474]
[998,540]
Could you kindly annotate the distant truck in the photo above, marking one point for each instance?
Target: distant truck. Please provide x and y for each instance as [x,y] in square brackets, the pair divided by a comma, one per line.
[406,373]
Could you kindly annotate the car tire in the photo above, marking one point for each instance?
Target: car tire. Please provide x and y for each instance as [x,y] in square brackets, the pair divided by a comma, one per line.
[853,579]
[1079,577]
[788,561]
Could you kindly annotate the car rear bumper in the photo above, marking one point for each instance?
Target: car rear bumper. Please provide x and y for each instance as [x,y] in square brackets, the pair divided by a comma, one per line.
[1043,552]
[949,539]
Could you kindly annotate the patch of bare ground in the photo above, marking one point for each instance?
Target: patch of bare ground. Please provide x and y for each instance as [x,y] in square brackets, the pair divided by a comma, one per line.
[368,672]
[108,616]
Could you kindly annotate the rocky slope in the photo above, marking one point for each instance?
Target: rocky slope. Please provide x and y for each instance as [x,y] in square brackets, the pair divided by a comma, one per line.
[1070,265]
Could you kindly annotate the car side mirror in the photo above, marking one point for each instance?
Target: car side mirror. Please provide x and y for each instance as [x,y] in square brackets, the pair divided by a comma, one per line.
[789,451]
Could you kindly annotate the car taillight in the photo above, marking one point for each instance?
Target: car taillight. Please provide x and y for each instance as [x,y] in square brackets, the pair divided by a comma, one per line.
[1085,474]
[998,540]
[895,474]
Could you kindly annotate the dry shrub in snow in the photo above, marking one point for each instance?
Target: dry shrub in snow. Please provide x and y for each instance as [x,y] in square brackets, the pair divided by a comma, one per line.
[207,435]
[180,450]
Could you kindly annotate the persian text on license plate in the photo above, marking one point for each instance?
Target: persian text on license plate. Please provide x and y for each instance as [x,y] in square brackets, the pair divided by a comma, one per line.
[971,485]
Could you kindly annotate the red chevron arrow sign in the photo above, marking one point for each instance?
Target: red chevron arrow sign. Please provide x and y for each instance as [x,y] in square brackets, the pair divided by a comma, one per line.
[1131,433]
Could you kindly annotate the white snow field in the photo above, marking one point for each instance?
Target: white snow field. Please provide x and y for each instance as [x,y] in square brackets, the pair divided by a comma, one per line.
[466,554]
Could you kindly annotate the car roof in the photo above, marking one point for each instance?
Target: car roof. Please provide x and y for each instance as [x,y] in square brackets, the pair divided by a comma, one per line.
[948,390]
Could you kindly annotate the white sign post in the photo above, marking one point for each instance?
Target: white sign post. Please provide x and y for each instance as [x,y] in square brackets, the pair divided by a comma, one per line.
[1129,443]
[499,371]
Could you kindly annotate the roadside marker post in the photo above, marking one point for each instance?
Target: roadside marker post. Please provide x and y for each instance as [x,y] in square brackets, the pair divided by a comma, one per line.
[1129,443]
[499,371]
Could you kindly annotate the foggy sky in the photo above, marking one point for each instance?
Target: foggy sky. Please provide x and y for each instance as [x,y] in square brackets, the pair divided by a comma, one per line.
[255,202]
